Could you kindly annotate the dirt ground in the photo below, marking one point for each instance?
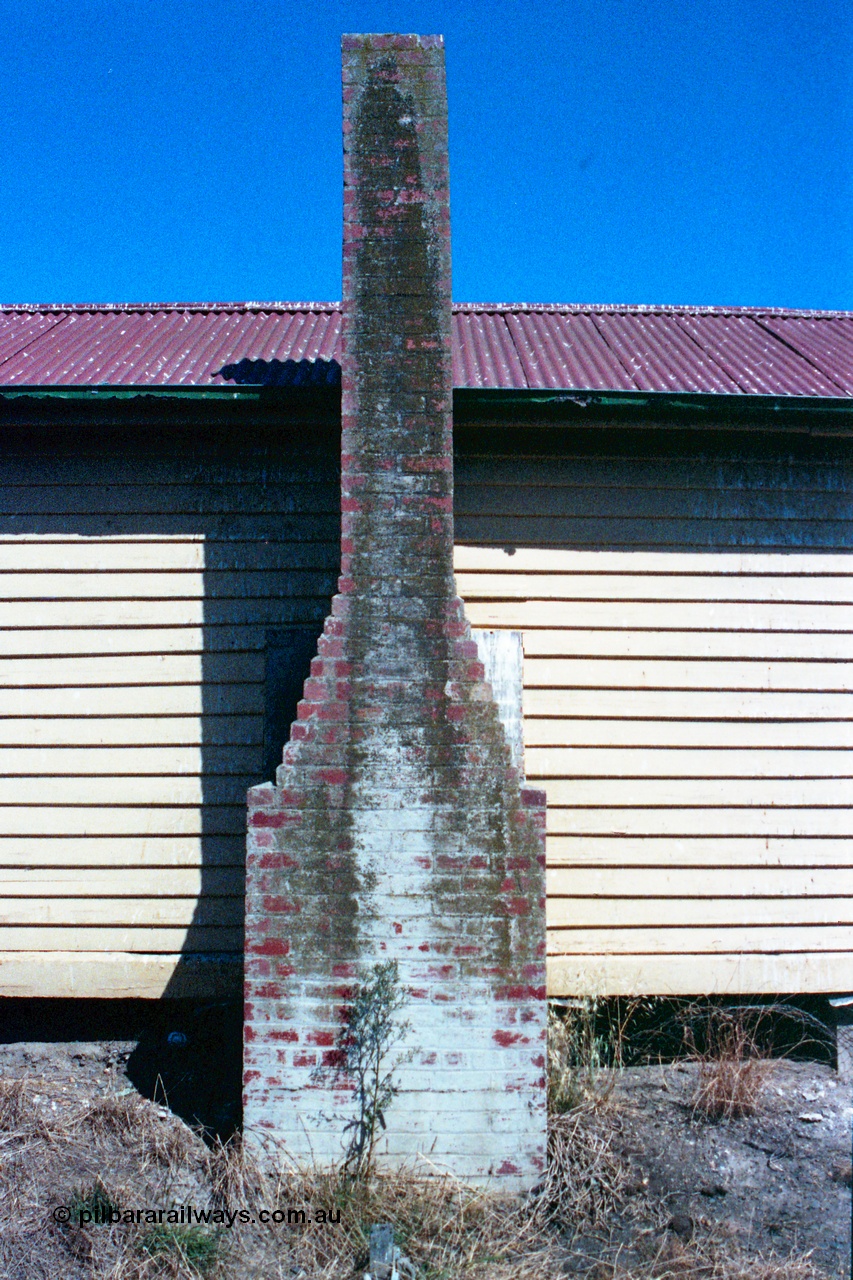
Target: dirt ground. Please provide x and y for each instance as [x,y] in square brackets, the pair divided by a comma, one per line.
[776,1182]
[661,1191]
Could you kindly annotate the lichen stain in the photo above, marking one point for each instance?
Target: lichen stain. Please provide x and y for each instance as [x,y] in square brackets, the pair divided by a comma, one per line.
[402,350]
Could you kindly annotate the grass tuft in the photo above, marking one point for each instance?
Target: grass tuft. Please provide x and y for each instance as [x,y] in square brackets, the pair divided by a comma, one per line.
[96,1201]
[15,1104]
[581,1057]
[194,1246]
[115,1114]
[733,1064]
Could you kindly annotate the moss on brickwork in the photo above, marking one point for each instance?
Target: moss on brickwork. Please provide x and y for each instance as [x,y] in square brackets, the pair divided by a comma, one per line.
[398,827]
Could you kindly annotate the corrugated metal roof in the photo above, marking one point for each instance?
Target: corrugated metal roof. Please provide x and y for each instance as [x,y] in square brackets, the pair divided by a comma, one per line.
[827,342]
[747,350]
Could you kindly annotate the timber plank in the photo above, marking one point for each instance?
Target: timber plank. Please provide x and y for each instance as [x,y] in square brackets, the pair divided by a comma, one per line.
[182,552]
[730,974]
[133,700]
[550,560]
[701,883]
[649,472]
[244,732]
[196,938]
[607,914]
[239,523]
[780,735]
[700,821]
[70,641]
[123,820]
[617,503]
[205,762]
[762,588]
[645,533]
[142,912]
[214,616]
[154,790]
[647,615]
[662,762]
[121,882]
[663,673]
[702,704]
[721,793]
[689,645]
[122,497]
[165,584]
[676,941]
[620,853]
[118,975]
[161,668]
[170,467]
[128,852]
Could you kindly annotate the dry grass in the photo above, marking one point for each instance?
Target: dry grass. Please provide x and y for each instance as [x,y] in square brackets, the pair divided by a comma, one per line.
[730,1086]
[733,1064]
[120,1150]
[585,1180]
[578,1058]
[736,1049]
[444,1227]
[669,1258]
[123,1152]
[120,1114]
[15,1104]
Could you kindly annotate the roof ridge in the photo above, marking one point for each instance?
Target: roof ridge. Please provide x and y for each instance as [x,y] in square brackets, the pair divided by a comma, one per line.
[642,308]
[35,308]
[554,308]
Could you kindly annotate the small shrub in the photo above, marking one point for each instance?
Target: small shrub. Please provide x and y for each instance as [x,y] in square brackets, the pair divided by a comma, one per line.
[369,1032]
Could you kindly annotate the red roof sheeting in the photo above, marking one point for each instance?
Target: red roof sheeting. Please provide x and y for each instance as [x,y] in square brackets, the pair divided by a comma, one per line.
[571,348]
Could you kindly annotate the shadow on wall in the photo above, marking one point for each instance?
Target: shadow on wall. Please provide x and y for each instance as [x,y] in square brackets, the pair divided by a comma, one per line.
[272,556]
[215,537]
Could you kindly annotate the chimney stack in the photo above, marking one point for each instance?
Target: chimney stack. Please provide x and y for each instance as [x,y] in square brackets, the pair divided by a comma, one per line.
[398,828]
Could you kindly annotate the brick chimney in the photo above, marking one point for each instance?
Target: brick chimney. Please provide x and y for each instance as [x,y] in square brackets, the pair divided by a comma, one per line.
[398,827]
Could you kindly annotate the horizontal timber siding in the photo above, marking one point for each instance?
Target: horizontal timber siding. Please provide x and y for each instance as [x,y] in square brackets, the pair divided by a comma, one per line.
[687,611]
[142,567]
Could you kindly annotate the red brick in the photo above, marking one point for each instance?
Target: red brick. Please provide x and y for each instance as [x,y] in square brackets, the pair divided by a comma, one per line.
[396,658]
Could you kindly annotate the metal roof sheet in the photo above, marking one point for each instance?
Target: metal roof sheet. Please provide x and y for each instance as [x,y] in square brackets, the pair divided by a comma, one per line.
[755,359]
[526,347]
[827,343]
[658,355]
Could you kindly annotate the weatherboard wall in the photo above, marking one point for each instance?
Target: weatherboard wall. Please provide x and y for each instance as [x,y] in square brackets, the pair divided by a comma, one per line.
[686,603]
[145,567]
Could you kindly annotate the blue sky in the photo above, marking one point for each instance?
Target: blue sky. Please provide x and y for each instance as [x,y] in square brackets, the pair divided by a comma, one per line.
[655,151]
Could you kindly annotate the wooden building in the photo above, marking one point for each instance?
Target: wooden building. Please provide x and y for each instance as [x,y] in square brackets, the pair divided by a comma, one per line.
[660,501]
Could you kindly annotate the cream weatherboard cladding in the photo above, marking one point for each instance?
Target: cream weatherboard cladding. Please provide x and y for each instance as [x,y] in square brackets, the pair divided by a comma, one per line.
[142,571]
[687,612]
